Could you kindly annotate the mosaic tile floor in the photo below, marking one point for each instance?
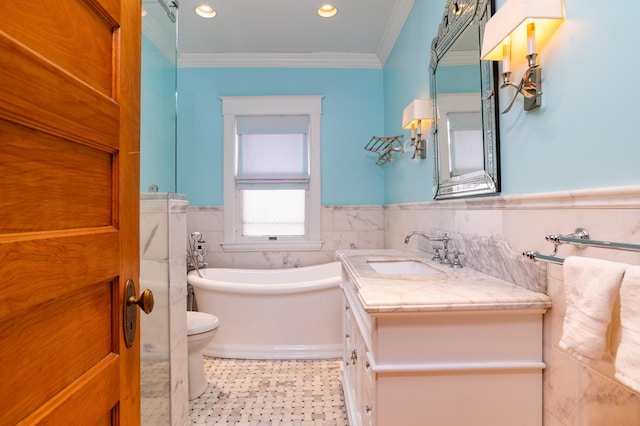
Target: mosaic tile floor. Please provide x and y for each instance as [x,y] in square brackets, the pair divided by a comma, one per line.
[264,393]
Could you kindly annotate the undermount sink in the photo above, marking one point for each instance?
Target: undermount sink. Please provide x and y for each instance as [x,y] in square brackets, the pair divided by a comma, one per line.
[403,267]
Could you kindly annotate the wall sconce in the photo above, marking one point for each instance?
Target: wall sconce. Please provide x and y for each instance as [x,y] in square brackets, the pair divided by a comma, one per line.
[418,116]
[520,23]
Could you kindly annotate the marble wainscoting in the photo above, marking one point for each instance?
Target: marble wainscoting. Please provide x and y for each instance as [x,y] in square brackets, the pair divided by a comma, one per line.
[493,257]
[496,230]
[163,335]
[343,228]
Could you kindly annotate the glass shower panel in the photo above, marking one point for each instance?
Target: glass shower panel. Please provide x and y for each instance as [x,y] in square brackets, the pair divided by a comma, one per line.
[158,98]
[157,174]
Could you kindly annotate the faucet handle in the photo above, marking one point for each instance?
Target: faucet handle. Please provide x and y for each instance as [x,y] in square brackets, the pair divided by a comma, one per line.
[436,252]
[456,259]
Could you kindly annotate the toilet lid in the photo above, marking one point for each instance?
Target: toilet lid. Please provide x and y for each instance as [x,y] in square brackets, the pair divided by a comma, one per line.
[201,322]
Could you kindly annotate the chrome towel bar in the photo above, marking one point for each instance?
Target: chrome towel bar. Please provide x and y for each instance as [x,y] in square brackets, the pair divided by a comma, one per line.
[580,237]
[535,256]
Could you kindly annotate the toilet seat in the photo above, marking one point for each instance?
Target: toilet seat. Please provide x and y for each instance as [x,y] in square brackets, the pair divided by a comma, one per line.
[201,322]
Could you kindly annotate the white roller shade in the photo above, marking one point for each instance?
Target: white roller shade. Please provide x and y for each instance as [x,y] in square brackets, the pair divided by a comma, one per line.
[273,150]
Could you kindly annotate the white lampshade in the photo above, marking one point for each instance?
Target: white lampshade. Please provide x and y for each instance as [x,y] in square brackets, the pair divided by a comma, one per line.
[511,20]
[419,109]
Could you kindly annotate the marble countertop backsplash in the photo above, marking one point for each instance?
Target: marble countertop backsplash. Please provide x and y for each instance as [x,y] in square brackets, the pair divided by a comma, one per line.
[495,258]
[451,289]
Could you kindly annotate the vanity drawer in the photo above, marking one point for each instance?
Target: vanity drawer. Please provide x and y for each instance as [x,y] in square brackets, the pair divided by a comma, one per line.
[459,337]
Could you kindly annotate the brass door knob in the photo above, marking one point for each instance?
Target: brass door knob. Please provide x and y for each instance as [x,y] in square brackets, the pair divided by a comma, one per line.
[130,311]
[145,301]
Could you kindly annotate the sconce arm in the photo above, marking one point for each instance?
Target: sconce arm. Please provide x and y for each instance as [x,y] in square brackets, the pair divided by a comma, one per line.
[529,87]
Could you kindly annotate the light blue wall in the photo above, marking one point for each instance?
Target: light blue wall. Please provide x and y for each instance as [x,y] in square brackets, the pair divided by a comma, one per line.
[583,136]
[406,77]
[157,119]
[352,111]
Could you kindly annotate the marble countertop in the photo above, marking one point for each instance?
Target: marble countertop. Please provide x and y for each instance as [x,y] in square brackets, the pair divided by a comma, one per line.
[448,289]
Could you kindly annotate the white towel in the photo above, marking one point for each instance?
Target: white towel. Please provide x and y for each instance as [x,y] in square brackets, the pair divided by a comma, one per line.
[591,288]
[628,358]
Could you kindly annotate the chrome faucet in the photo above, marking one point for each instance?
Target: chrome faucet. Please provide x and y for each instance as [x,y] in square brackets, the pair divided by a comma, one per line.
[196,253]
[444,238]
[445,243]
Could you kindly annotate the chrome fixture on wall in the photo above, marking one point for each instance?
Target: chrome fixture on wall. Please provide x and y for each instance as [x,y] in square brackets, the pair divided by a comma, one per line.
[444,258]
[520,23]
[384,146]
[418,117]
[196,252]
[580,238]
[167,8]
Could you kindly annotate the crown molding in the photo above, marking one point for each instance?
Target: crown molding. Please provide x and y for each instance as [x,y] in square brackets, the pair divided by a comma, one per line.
[279,60]
[399,15]
[456,58]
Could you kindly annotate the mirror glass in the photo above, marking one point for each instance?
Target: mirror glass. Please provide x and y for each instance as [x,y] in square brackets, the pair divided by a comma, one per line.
[466,130]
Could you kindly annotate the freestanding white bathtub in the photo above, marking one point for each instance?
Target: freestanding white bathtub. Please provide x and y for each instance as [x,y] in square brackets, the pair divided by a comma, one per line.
[273,313]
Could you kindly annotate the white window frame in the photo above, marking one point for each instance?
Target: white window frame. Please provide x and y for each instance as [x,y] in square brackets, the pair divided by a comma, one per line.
[233,106]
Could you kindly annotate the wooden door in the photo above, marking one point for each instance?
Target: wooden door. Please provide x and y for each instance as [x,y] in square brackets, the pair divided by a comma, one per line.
[69,191]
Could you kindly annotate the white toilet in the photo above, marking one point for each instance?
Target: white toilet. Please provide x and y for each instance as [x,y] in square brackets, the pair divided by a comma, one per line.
[201,327]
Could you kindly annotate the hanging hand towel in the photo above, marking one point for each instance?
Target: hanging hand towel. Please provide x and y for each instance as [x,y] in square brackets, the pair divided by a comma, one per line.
[628,357]
[591,289]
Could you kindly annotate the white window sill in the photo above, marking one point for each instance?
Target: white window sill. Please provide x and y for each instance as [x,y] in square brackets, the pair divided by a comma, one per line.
[271,246]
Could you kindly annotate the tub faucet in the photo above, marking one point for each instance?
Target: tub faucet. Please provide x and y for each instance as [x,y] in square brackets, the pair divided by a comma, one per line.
[444,259]
[196,252]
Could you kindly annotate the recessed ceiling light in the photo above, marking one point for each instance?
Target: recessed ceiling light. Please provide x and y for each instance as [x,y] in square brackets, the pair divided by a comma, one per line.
[327,10]
[206,11]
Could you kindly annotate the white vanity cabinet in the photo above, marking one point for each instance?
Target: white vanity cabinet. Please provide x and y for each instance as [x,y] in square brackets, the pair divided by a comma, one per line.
[357,375]
[409,365]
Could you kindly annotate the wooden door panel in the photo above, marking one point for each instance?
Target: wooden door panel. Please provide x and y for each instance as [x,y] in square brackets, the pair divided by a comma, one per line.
[82,46]
[50,268]
[41,95]
[72,183]
[83,402]
[69,172]
[80,322]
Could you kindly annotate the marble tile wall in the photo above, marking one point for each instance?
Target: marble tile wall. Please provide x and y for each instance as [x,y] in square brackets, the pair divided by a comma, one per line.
[163,224]
[492,232]
[491,256]
[343,227]
[574,393]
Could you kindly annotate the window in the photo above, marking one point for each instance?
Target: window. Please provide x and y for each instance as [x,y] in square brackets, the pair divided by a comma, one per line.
[271,173]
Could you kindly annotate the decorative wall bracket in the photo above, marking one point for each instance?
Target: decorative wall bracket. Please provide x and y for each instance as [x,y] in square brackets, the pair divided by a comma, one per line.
[530,86]
[384,146]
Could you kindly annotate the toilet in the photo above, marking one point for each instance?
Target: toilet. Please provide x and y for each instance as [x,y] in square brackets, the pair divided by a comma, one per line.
[201,327]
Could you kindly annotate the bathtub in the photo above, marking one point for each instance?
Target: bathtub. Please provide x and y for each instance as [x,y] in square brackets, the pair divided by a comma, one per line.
[273,313]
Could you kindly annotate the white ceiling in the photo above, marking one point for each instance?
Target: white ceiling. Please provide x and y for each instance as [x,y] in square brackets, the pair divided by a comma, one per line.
[290,33]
